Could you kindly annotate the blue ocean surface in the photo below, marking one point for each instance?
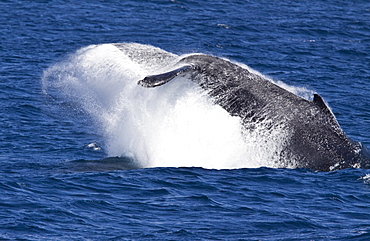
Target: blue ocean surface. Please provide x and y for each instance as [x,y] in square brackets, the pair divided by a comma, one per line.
[66,172]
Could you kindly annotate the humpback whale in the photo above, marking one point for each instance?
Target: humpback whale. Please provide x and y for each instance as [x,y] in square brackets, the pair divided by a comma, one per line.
[313,140]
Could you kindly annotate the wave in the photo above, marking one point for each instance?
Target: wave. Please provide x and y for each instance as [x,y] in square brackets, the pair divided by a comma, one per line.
[174,125]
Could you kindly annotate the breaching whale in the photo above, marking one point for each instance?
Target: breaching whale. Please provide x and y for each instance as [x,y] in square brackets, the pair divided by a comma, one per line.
[313,138]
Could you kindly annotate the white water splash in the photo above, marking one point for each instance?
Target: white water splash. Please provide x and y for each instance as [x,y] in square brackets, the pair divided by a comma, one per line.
[172,125]
[366,178]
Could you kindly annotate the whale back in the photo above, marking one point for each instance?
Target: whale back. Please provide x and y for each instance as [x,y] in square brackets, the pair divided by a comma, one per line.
[313,137]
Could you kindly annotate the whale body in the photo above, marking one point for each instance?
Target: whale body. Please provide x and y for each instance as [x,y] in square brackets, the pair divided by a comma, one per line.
[313,137]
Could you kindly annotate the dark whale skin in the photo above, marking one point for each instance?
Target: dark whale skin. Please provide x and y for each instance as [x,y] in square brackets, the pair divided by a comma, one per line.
[314,138]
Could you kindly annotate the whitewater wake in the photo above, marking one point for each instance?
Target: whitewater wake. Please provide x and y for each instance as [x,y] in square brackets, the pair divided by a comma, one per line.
[173,125]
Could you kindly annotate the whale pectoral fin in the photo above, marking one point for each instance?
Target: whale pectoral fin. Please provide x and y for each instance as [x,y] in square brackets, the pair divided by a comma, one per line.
[160,79]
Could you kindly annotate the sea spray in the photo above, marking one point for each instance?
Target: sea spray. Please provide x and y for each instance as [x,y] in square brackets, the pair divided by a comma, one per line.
[174,125]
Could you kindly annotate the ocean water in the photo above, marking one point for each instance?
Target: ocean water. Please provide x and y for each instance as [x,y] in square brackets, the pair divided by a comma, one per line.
[70,105]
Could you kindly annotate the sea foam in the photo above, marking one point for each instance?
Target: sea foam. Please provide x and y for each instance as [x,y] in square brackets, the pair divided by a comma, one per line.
[173,125]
